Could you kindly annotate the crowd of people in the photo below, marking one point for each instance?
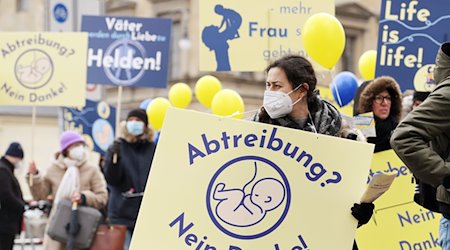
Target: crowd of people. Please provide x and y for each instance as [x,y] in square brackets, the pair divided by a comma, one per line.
[290,100]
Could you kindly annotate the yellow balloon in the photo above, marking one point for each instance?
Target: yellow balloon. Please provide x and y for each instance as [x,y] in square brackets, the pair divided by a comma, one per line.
[323,38]
[367,64]
[180,95]
[227,102]
[205,89]
[156,111]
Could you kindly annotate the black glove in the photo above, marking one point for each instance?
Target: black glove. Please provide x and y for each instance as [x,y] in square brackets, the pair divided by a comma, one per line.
[362,212]
[115,148]
[115,151]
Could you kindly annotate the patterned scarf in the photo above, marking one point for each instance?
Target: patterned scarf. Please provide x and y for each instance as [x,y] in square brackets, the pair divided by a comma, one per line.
[326,118]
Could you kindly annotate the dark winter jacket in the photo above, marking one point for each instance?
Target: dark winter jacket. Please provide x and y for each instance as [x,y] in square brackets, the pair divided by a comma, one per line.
[429,123]
[128,177]
[11,201]
[383,128]
[326,118]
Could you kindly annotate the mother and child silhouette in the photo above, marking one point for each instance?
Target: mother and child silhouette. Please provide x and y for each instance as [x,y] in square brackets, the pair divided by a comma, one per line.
[216,37]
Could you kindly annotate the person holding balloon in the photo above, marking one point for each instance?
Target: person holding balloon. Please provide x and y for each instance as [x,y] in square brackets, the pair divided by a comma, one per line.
[383,97]
[127,166]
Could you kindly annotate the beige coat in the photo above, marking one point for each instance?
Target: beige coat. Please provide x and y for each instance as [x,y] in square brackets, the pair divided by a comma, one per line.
[92,185]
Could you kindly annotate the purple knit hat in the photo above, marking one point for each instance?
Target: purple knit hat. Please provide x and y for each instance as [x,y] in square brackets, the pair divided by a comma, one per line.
[68,138]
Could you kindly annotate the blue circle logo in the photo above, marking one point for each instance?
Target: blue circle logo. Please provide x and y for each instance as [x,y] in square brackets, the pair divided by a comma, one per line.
[125,73]
[248,197]
[60,13]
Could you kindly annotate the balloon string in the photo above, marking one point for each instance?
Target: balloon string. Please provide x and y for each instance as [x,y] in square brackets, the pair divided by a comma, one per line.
[338,95]
[243,113]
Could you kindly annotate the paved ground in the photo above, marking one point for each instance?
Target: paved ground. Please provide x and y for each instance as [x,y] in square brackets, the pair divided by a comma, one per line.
[28,247]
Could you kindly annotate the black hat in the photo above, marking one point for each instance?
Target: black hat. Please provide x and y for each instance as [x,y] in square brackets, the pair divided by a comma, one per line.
[139,113]
[420,95]
[15,150]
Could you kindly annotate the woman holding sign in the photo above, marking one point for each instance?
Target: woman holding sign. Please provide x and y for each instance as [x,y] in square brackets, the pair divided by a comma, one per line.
[290,100]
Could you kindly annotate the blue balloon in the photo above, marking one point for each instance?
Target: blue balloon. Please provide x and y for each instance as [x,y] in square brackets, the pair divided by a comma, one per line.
[344,87]
[156,139]
[144,104]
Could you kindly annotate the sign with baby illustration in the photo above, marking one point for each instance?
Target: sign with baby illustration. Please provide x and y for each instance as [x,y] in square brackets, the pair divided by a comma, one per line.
[238,184]
[34,68]
[247,35]
[397,219]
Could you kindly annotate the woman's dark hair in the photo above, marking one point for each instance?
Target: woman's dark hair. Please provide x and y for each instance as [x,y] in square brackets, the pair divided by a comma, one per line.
[64,153]
[298,70]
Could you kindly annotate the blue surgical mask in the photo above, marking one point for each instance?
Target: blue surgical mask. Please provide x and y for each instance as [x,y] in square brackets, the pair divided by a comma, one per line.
[135,127]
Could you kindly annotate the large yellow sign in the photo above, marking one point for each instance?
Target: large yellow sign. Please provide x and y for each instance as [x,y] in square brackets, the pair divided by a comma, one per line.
[43,69]
[220,183]
[246,35]
[398,222]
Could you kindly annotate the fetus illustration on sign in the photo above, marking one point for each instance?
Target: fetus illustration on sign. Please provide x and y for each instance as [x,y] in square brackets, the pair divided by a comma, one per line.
[34,68]
[238,208]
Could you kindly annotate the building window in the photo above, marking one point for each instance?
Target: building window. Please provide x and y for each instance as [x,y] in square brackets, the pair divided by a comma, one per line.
[175,52]
[349,52]
[179,42]
[22,5]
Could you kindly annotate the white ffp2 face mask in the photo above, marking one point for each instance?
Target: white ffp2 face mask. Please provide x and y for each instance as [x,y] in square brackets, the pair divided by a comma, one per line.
[278,104]
[77,153]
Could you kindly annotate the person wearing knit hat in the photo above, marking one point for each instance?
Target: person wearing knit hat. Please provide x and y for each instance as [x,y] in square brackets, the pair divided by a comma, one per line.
[70,177]
[137,121]
[11,200]
[126,168]
[15,150]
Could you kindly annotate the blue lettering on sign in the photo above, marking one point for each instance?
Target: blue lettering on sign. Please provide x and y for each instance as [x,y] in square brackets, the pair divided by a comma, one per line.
[192,240]
[60,13]
[411,219]
[254,29]
[314,170]
[400,171]
[431,243]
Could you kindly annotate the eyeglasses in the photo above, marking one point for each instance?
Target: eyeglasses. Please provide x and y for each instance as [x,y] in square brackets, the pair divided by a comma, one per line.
[379,99]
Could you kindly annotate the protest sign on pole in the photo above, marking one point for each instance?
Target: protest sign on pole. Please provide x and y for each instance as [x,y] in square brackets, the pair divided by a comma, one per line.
[244,185]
